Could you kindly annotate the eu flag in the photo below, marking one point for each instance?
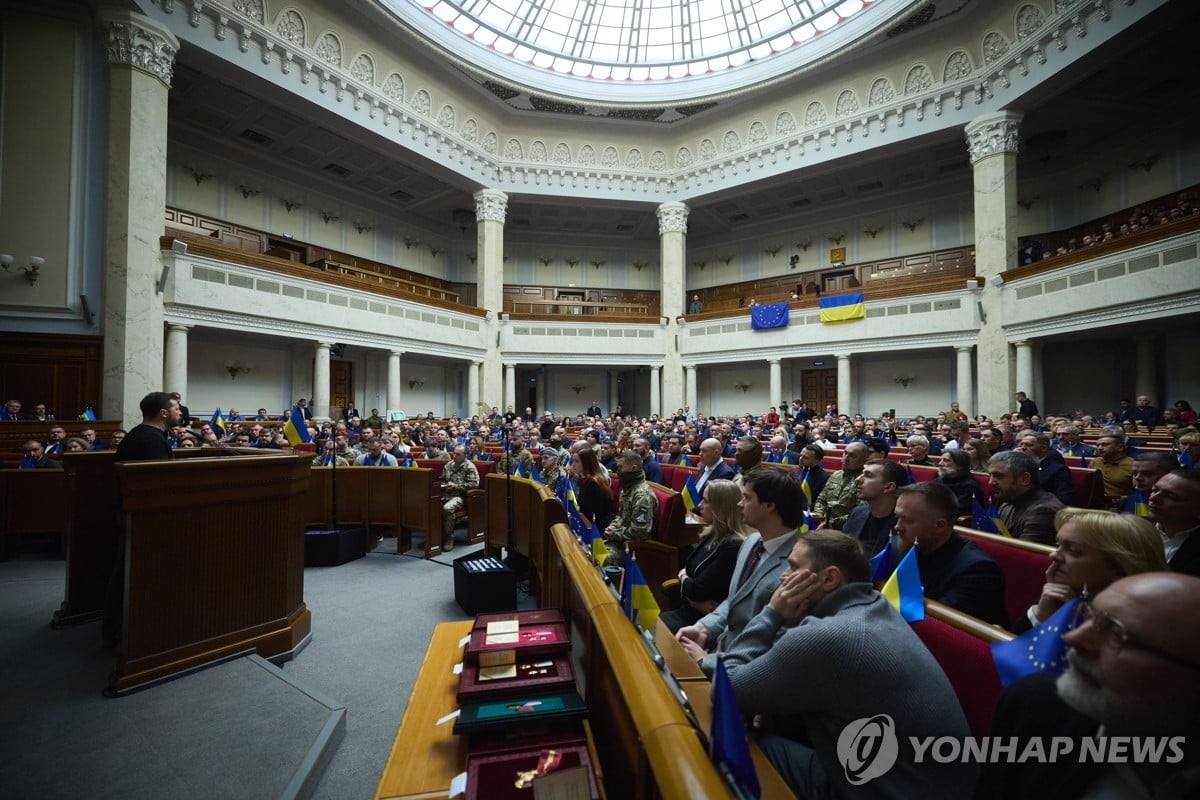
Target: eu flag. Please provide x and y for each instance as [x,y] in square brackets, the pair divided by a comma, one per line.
[881,564]
[903,590]
[1038,650]
[727,737]
[987,520]
[769,315]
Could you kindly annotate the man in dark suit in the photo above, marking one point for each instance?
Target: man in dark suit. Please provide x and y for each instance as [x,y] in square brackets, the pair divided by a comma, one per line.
[1131,667]
[650,465]
[185,416]
[772,504]
[593,410]
[1175,508]
[302,404]
[1053,474]
[954,570]
[1030,252]
[1026,407]
[712,467]
[349,412]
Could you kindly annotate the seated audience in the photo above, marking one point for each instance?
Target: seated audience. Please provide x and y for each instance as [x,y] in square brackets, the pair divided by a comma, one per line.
[840,494]
[637,512]
[459,477]
[827,651]
[954,471]
[954,570]
[593,488]
[75,444]
[375,457]
[704,579]
[918,451]
[1053,474]
[1026,509]
[57,441]
[979,452]
[328,456]
[35,457]
[1093,549]
[773,505]
[11,411]
[1175,508]
[872,520]
[1115,465]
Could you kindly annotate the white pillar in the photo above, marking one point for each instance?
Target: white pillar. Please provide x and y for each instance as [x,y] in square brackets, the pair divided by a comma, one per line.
[776,383]
[613,391]
[510,387]
[540,392]
[992,141]
[1024,369]
[490,209]
[656,391]
[175,361]
[140,55]
[320,394]
[672,235]
[965,381]
[843,377]
[690,398]
[393,380]
[473,404]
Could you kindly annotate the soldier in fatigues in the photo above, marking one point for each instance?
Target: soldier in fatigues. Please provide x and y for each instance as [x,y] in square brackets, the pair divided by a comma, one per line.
[638,509]
[516,455]
[458,477]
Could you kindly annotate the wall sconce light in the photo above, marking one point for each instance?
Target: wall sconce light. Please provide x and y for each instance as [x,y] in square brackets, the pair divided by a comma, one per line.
[912,224]
[363,227]
[472,257]
[837,238]
[30,272]
[772,249]
[903,380]
[598,262]
[873,232]
[236,369]
[572,262]
[577,388]
[700,264]
[416,383]
[546,260]
[291,204]
[410,242]
[329,217]
[640,265]
[793,261]
[1030,203]
[199,174]
[725,259]
[249,191]
[1093,183]
[434,251]
[807,243]
[742,387]
[1146,163]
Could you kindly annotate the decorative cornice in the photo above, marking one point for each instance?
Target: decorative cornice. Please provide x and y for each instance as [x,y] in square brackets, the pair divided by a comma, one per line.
[491,205]
[133,40]
[672,218]
[994,134]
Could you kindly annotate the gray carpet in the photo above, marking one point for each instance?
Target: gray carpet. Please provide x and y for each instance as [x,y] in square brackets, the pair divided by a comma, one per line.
[233,730]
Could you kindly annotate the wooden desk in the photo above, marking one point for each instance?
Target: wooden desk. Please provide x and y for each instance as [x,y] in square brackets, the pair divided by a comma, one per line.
[425,756]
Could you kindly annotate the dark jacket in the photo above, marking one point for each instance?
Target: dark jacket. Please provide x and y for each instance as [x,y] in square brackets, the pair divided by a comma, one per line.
[961,575]
[1055,477]
[1031,516]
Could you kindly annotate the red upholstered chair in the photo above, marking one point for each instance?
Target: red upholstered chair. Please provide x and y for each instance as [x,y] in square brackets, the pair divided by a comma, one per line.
[668,528]
[831,464]
[960,644]
[921,474]
[433,464]
[1024,565]
[1089,487]
[675,476]
[984,484]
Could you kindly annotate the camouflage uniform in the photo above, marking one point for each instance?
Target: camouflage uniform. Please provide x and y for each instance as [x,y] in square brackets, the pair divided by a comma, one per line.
[320,461]
[635,520]
[506,463]
[465,477]
[837,499]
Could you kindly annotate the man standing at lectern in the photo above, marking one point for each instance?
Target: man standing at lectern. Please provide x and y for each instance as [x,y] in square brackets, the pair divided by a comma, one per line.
[146,442]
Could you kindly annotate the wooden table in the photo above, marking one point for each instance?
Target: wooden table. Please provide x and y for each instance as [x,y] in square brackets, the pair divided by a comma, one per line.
[425,755]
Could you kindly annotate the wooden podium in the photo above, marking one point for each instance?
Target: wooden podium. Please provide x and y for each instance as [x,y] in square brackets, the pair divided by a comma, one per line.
[214,561]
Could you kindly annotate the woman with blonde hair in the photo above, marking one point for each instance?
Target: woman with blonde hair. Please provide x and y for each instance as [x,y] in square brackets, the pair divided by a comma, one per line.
[704,579]
[1092,549]
[979,452]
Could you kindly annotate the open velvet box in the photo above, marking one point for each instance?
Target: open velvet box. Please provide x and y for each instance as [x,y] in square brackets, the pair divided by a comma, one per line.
[525,641]
[528,675]
[495,764]
[533,616]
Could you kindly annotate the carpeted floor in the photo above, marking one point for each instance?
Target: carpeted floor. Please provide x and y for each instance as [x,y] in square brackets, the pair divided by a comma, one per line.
[233,730]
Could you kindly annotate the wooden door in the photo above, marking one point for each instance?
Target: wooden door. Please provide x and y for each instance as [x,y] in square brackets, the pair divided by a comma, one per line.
[819,388]
[341,384]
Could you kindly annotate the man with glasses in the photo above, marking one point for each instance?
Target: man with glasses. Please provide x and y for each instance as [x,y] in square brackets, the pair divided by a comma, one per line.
[1133,670]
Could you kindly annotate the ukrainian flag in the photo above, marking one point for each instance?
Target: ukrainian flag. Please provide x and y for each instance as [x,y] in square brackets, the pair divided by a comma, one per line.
[88,414]
[987,521]
[842,307]
[903,590]
[789,458]
[807,523]
[1136,504]
[639,604]
[294,428]
[691,495]
[806,487]
[217,422]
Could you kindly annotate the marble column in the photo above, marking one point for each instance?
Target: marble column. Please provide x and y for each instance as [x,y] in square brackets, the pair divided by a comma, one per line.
[393,380]
[175,362]
[690,398]
[965,381]
[491,207]
[1145,379]
[140,55]
[844,399]
[540,392]
[992,141]
[320,393]
[473,405]
[1024,369]
[776,384]
[614,390]
[510,387]
[672,236]
[656,406]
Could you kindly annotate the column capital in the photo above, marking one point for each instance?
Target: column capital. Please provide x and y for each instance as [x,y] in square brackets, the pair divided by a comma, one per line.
[842,356]
[490,204]
[509,365]
[963,348]
[179,327]
[655,368]
[992,134]
[325,345]
[1021,343]
[396,353]
[773,360]
[672,218]
[474,363]
[135,40]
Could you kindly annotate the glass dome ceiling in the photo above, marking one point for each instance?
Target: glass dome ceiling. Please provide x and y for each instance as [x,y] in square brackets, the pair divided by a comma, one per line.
[669,43]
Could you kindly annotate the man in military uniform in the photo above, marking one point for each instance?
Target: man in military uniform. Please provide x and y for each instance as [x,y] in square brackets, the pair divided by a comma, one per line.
[637,512]
[516,456]
[458,477]
[551,467]
[329,457]
[840,494]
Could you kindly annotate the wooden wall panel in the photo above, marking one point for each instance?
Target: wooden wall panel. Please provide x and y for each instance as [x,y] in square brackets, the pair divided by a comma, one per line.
[61,371]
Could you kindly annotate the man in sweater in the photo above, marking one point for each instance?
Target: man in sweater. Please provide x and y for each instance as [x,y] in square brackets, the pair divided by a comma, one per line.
[812,664]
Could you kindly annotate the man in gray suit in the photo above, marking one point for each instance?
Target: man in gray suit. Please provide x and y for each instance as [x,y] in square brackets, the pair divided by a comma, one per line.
[773,503]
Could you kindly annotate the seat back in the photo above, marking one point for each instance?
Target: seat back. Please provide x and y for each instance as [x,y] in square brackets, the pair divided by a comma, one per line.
[960,645]
[1089,487]
[674,476]
[433,464]
[985,485]
[921,474]
[668,528]
[831,463]
[659,563]
[1024,565]
[484,468]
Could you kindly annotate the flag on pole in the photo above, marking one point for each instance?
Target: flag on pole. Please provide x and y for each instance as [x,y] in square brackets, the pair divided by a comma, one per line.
[806,487]
[295,429]
[691,495]
[217,423]
[636,597]
[987,520]
[88,414]
[903,590]
[1038,650]
[727,737]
